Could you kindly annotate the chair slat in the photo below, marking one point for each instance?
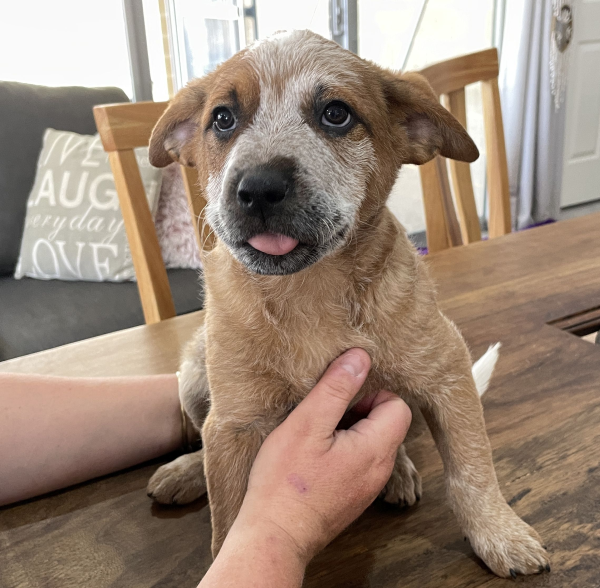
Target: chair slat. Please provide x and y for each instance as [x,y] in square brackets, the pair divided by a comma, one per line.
[460,171]
[441,222]
[447,203]
[435,219]
[497,167]
[152,280]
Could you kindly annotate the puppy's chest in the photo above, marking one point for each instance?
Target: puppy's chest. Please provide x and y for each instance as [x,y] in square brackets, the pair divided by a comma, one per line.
[277,360]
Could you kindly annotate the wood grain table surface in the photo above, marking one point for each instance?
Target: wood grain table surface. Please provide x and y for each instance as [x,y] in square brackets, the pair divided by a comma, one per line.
[542,413]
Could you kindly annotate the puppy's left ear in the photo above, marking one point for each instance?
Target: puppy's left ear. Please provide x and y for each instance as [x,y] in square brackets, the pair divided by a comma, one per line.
[429,127]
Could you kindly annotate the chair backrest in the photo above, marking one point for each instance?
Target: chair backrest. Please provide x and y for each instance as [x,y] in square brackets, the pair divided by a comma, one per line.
[448,79]
[122,128]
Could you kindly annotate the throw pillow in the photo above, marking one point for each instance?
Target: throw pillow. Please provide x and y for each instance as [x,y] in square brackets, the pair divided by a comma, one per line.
[174,226]
[73,226]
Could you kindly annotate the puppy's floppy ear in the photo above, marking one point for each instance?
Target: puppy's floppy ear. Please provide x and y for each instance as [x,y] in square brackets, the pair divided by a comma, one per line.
[175,134]
[430,128]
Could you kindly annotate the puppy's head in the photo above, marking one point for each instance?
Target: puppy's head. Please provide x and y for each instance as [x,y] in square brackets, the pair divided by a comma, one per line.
[298,142]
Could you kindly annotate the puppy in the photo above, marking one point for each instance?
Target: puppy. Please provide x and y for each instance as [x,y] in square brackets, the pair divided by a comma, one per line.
[297,144]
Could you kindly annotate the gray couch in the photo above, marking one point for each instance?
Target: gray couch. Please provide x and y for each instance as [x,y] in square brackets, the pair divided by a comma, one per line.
[37,314]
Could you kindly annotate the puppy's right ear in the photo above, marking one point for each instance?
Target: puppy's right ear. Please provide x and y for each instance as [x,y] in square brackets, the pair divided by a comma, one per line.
[175,136]
[427,126]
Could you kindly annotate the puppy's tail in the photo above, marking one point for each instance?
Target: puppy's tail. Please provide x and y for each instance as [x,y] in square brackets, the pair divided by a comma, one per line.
[484,367]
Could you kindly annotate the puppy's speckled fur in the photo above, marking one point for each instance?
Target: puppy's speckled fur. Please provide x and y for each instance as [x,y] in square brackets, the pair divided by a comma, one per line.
[359,282]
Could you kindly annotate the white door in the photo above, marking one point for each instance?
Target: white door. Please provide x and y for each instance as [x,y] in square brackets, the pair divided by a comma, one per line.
[581,172]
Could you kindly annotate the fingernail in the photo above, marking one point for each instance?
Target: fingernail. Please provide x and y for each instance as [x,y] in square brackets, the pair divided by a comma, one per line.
[353,363]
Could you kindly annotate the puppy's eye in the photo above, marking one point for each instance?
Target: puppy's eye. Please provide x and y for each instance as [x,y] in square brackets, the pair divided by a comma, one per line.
[224,119]
[336,114]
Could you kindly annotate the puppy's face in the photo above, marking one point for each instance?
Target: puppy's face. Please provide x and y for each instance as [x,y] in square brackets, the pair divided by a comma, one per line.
[297,143]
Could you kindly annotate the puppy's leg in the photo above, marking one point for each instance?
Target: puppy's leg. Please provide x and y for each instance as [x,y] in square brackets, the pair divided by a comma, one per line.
[179,482]
[230,449]
[193,382]
[404,486]
[182,481]
[454,414]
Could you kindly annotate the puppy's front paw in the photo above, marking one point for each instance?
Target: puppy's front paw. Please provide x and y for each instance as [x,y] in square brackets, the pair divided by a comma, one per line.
[404,487]
[179,482]
[509,546]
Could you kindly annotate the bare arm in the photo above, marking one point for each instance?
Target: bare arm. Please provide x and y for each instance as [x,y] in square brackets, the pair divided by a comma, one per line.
[55,432]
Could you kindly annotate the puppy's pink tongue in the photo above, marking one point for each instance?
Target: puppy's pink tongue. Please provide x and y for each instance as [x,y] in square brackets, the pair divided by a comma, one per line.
[273,244]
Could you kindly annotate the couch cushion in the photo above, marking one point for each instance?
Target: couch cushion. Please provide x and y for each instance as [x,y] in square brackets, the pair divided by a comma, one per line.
[74,229]
[27,111]
[37,315]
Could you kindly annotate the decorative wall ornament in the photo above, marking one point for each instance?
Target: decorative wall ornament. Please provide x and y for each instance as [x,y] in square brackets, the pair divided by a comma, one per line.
[562,33]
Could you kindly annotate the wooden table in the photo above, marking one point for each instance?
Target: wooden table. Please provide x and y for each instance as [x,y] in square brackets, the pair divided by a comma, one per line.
[542,413]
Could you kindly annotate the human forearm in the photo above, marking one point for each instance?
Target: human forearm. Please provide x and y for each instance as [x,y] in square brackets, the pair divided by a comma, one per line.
[55,432]
[256,556]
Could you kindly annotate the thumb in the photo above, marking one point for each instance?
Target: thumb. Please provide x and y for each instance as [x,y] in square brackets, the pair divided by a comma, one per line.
[326,403]
[387,422]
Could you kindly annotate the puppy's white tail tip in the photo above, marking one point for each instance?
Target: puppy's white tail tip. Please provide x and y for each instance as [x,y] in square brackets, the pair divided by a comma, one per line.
[483,368]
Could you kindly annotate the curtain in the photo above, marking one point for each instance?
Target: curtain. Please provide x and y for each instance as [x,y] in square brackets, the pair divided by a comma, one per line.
[533,129]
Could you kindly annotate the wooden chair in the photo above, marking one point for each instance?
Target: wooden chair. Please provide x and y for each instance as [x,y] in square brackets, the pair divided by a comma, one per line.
[448,79]
[122,128]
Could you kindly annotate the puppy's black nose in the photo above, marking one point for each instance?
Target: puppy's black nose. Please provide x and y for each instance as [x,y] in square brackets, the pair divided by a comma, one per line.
[260,190]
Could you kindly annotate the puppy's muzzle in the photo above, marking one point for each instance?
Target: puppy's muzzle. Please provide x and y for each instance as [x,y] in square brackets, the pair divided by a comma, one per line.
[261,191]
[273,221]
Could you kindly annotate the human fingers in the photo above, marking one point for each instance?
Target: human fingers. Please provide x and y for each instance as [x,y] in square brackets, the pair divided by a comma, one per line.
[326,403]
[365,405]
[388,421]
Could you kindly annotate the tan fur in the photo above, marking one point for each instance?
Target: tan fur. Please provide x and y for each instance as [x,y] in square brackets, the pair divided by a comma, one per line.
[269,338]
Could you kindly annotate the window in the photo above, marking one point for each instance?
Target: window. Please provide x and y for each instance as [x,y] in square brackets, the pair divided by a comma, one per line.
[448,28]
[204,33]
[207,32]
[281,15]
[64,43]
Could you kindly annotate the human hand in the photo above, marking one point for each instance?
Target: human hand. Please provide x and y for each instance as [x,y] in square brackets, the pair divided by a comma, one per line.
[309,480]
